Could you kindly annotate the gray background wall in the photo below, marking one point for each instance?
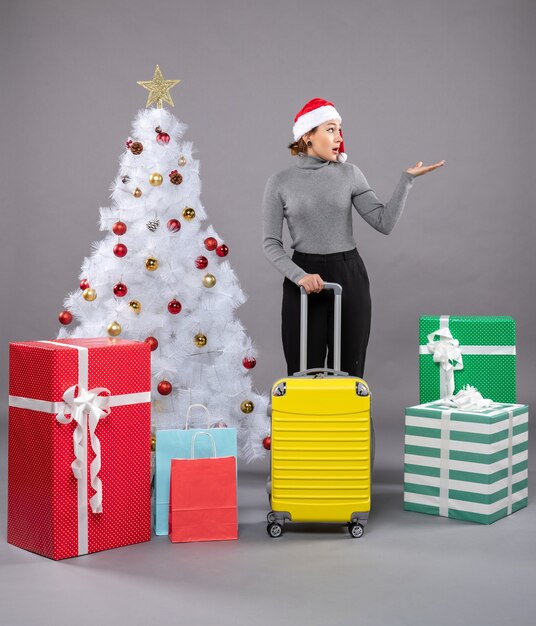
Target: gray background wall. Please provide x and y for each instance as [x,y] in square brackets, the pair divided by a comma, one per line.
[418,80]
[414,80]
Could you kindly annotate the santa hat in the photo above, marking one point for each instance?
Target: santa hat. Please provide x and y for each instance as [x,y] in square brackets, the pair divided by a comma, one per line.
[314,113]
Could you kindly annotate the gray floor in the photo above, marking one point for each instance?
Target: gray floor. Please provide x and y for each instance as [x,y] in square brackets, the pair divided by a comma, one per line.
[407,569]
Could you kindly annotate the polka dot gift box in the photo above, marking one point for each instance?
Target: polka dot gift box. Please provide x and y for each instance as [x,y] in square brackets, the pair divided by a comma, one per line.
[79,445]
[455,351]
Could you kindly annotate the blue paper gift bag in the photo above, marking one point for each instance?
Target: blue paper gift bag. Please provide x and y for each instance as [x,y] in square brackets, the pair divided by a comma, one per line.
[176,444]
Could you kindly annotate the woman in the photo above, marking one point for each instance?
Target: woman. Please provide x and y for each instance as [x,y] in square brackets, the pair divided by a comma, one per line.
[316,198]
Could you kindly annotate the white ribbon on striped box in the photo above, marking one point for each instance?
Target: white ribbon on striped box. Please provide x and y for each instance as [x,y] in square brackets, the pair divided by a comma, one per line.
[445,464]
[86,408]
[444,469]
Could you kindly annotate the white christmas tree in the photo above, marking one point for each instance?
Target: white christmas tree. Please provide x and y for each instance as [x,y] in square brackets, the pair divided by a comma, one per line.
[160,276]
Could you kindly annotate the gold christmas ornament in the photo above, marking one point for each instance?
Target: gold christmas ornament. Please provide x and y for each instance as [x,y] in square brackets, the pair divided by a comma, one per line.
[114,329]
[209,280]
[247,406]
[182,160]
[188,213]
[200,340]
[135,305]
[137,192]
[156,179]
[151,264]
[89,294]
[158,89]
[153,442]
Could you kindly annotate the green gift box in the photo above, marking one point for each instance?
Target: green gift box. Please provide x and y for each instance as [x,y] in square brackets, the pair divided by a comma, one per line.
[458,350]
[468,465]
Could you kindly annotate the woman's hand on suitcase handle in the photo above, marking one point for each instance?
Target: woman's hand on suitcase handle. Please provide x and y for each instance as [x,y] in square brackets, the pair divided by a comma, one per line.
[312,283]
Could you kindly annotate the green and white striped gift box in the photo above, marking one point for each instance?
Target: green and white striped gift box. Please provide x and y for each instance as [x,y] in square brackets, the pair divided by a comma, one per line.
[468,465]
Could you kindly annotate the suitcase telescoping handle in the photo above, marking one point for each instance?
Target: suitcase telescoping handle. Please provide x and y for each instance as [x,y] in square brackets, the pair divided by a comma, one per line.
[337,291]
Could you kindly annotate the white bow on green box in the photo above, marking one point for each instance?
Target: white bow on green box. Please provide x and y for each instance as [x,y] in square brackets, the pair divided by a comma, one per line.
[455,351]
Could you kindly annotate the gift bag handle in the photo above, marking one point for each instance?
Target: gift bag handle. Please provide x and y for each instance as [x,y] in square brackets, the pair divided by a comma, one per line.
[212,442]
[201,406]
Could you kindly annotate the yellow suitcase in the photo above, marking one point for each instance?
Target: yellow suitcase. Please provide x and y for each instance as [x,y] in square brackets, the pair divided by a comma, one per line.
[321,441]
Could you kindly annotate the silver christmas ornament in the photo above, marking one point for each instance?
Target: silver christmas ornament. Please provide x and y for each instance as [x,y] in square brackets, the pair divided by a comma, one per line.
[153,224]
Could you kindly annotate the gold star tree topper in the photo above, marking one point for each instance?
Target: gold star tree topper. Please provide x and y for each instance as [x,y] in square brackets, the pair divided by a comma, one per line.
[158,89]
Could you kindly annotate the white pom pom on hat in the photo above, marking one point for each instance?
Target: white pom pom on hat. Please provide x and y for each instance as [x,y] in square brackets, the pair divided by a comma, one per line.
[314,113]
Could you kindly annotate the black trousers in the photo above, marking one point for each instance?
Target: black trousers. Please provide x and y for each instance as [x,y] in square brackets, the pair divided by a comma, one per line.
[347,269]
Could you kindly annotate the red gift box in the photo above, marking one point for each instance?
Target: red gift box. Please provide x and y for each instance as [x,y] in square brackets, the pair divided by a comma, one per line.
[79,459]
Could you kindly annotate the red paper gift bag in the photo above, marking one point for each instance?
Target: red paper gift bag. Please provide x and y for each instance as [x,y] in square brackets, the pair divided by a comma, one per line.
[79,461]
[202,502]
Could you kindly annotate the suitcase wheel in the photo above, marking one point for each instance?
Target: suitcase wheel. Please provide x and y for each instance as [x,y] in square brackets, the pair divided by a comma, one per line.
[274,530]
[271,517]
[355,530]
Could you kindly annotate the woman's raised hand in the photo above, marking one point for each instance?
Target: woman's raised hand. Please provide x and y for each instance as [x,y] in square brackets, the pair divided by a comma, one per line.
[312,283]
[421,169]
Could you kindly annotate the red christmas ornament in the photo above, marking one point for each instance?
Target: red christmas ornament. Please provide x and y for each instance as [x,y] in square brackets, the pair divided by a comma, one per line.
[164,388]
[119,228]
[65,317]
[249,362]
[210,243]
[162,138]
[174,307]
[222,250]
[120,249]
[153,343]
[267,443]
[174,225]
[84,284]
[120,290]
[201,262]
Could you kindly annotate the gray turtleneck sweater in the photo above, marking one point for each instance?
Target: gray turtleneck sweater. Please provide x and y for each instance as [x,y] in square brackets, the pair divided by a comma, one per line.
[316,198]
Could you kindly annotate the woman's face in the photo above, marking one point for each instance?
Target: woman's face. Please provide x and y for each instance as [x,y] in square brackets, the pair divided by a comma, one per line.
[326,141]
